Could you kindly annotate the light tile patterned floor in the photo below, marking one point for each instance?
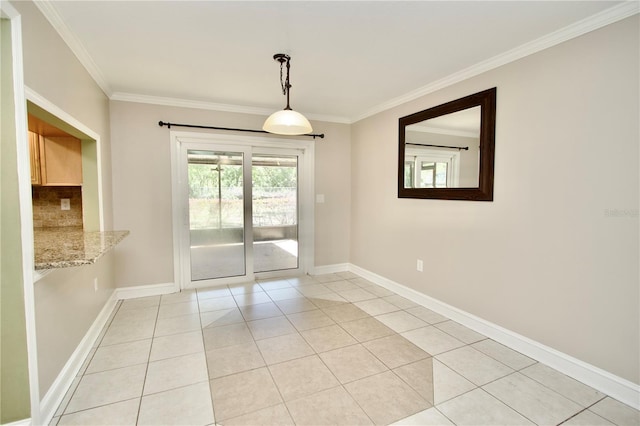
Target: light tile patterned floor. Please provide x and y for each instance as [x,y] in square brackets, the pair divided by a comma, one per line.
[333,349]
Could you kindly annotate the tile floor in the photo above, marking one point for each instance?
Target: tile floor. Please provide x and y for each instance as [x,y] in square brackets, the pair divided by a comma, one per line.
[332,349]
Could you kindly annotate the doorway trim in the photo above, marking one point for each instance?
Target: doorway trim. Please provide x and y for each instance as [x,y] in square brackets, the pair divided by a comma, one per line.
[306,193]
[19,104]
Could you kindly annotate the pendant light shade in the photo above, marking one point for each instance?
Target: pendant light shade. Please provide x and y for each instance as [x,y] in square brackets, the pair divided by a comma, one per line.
[287,121]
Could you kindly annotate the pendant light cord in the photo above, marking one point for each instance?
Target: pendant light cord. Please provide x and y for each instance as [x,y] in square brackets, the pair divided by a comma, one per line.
[284,83]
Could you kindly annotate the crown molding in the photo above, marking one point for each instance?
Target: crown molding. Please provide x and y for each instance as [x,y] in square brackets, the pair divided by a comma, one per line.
[212,106]
[186,103]
[592,23]
[48,9]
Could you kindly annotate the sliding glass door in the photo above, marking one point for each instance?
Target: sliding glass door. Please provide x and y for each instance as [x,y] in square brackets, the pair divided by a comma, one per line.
[275,212]
[216,214]
[243,211]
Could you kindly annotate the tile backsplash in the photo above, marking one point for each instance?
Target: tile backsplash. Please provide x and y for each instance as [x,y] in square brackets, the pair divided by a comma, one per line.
[46,206]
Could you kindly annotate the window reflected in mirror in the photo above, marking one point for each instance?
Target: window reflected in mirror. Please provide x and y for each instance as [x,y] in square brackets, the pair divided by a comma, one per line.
[444,152]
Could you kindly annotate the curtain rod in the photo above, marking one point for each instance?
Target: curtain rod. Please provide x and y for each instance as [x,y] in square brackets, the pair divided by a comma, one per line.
[195,126]
[466,148]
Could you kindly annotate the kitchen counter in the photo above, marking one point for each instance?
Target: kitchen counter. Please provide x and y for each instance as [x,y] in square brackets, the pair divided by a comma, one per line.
[67,247]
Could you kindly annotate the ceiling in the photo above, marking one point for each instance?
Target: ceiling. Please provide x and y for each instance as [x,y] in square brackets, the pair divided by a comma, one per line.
[350,59]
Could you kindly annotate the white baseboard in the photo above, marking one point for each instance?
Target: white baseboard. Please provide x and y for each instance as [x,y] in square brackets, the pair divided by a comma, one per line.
[145,290]
[23,422]
[61,384]
[621,389]
[38,275]
[330,269]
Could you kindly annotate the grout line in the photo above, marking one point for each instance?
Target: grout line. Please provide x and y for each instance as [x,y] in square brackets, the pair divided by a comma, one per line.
[444,415]
[357,403]
[556,391]
[284,402]
[98,406]
[575,415]
[206,360]
[246,323]
[146,371]
[587,409]
[464,393]
[73,392]
[340,384]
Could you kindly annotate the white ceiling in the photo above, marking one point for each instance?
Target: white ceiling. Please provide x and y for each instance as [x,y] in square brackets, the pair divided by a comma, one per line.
[349,58]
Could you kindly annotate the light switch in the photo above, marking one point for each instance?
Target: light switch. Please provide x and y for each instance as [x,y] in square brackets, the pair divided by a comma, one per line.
[65,204]
[319,198]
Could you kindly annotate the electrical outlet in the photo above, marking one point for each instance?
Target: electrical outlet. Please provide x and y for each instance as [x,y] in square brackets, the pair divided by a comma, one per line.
[65,204]
[95,284]
[419,265]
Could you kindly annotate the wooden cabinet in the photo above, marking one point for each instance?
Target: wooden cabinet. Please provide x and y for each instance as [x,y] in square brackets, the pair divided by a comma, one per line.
[34,150]
[55,161]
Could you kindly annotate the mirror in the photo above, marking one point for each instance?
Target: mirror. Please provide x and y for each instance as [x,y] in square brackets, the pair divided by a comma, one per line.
[447,152]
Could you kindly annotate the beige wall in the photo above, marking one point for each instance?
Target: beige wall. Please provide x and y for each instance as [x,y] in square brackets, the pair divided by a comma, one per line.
[555,256]
[70,289]
[66,309]
[142,186]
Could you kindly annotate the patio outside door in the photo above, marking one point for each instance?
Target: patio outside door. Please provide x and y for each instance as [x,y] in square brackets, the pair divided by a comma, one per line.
[275,212]
[243,212]
[216,214]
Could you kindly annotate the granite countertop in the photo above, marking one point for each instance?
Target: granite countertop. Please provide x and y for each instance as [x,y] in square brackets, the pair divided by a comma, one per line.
[70,246]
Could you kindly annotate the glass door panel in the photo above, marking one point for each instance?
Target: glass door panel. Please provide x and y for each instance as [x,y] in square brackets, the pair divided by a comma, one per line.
[275,212]
[216,214]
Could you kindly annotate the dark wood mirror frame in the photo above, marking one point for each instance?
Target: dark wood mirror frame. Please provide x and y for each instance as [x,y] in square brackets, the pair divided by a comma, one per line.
[484,192]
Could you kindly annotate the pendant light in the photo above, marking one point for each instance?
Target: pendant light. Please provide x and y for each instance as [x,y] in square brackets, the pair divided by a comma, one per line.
[286,121]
